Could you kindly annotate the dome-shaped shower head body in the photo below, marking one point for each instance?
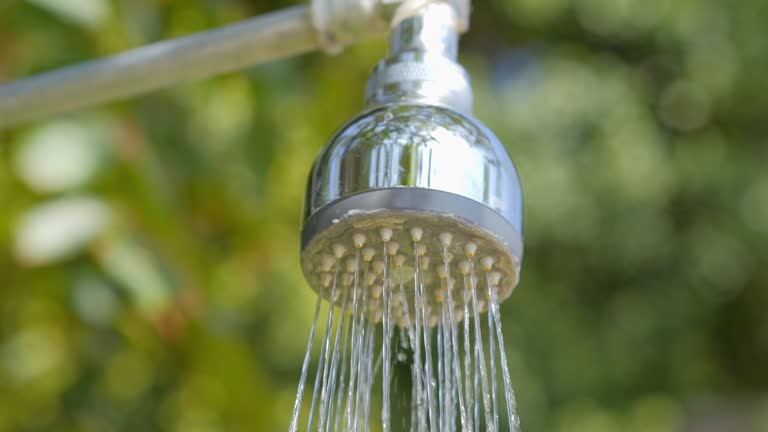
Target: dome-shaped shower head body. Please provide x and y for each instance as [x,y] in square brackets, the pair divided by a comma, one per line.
[419,146]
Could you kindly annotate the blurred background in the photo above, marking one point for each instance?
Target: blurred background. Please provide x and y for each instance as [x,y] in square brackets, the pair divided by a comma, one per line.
[149,267]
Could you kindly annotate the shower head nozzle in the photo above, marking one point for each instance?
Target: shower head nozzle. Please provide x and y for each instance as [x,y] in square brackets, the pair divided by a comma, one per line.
[414,181]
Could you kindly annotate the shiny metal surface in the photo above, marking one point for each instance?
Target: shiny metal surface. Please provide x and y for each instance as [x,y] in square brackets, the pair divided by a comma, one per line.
[420,146]
[433,30]
[421,66]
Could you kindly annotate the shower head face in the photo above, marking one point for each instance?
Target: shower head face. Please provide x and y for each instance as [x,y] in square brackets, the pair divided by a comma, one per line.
[370,250]
[405,166]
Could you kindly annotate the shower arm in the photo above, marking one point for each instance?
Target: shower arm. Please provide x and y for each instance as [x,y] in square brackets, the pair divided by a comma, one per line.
[328,25]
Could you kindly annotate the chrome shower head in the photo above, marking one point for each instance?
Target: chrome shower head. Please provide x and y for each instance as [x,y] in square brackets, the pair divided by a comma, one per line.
[415,180]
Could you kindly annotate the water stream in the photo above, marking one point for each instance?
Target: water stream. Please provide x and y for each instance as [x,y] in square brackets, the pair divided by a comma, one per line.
[389,320]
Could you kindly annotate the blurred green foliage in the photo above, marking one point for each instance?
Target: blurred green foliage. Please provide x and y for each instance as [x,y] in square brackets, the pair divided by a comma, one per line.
[149,274]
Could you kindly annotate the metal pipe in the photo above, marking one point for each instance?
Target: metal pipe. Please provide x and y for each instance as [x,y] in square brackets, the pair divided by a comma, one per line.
[268,37]
[421,65]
